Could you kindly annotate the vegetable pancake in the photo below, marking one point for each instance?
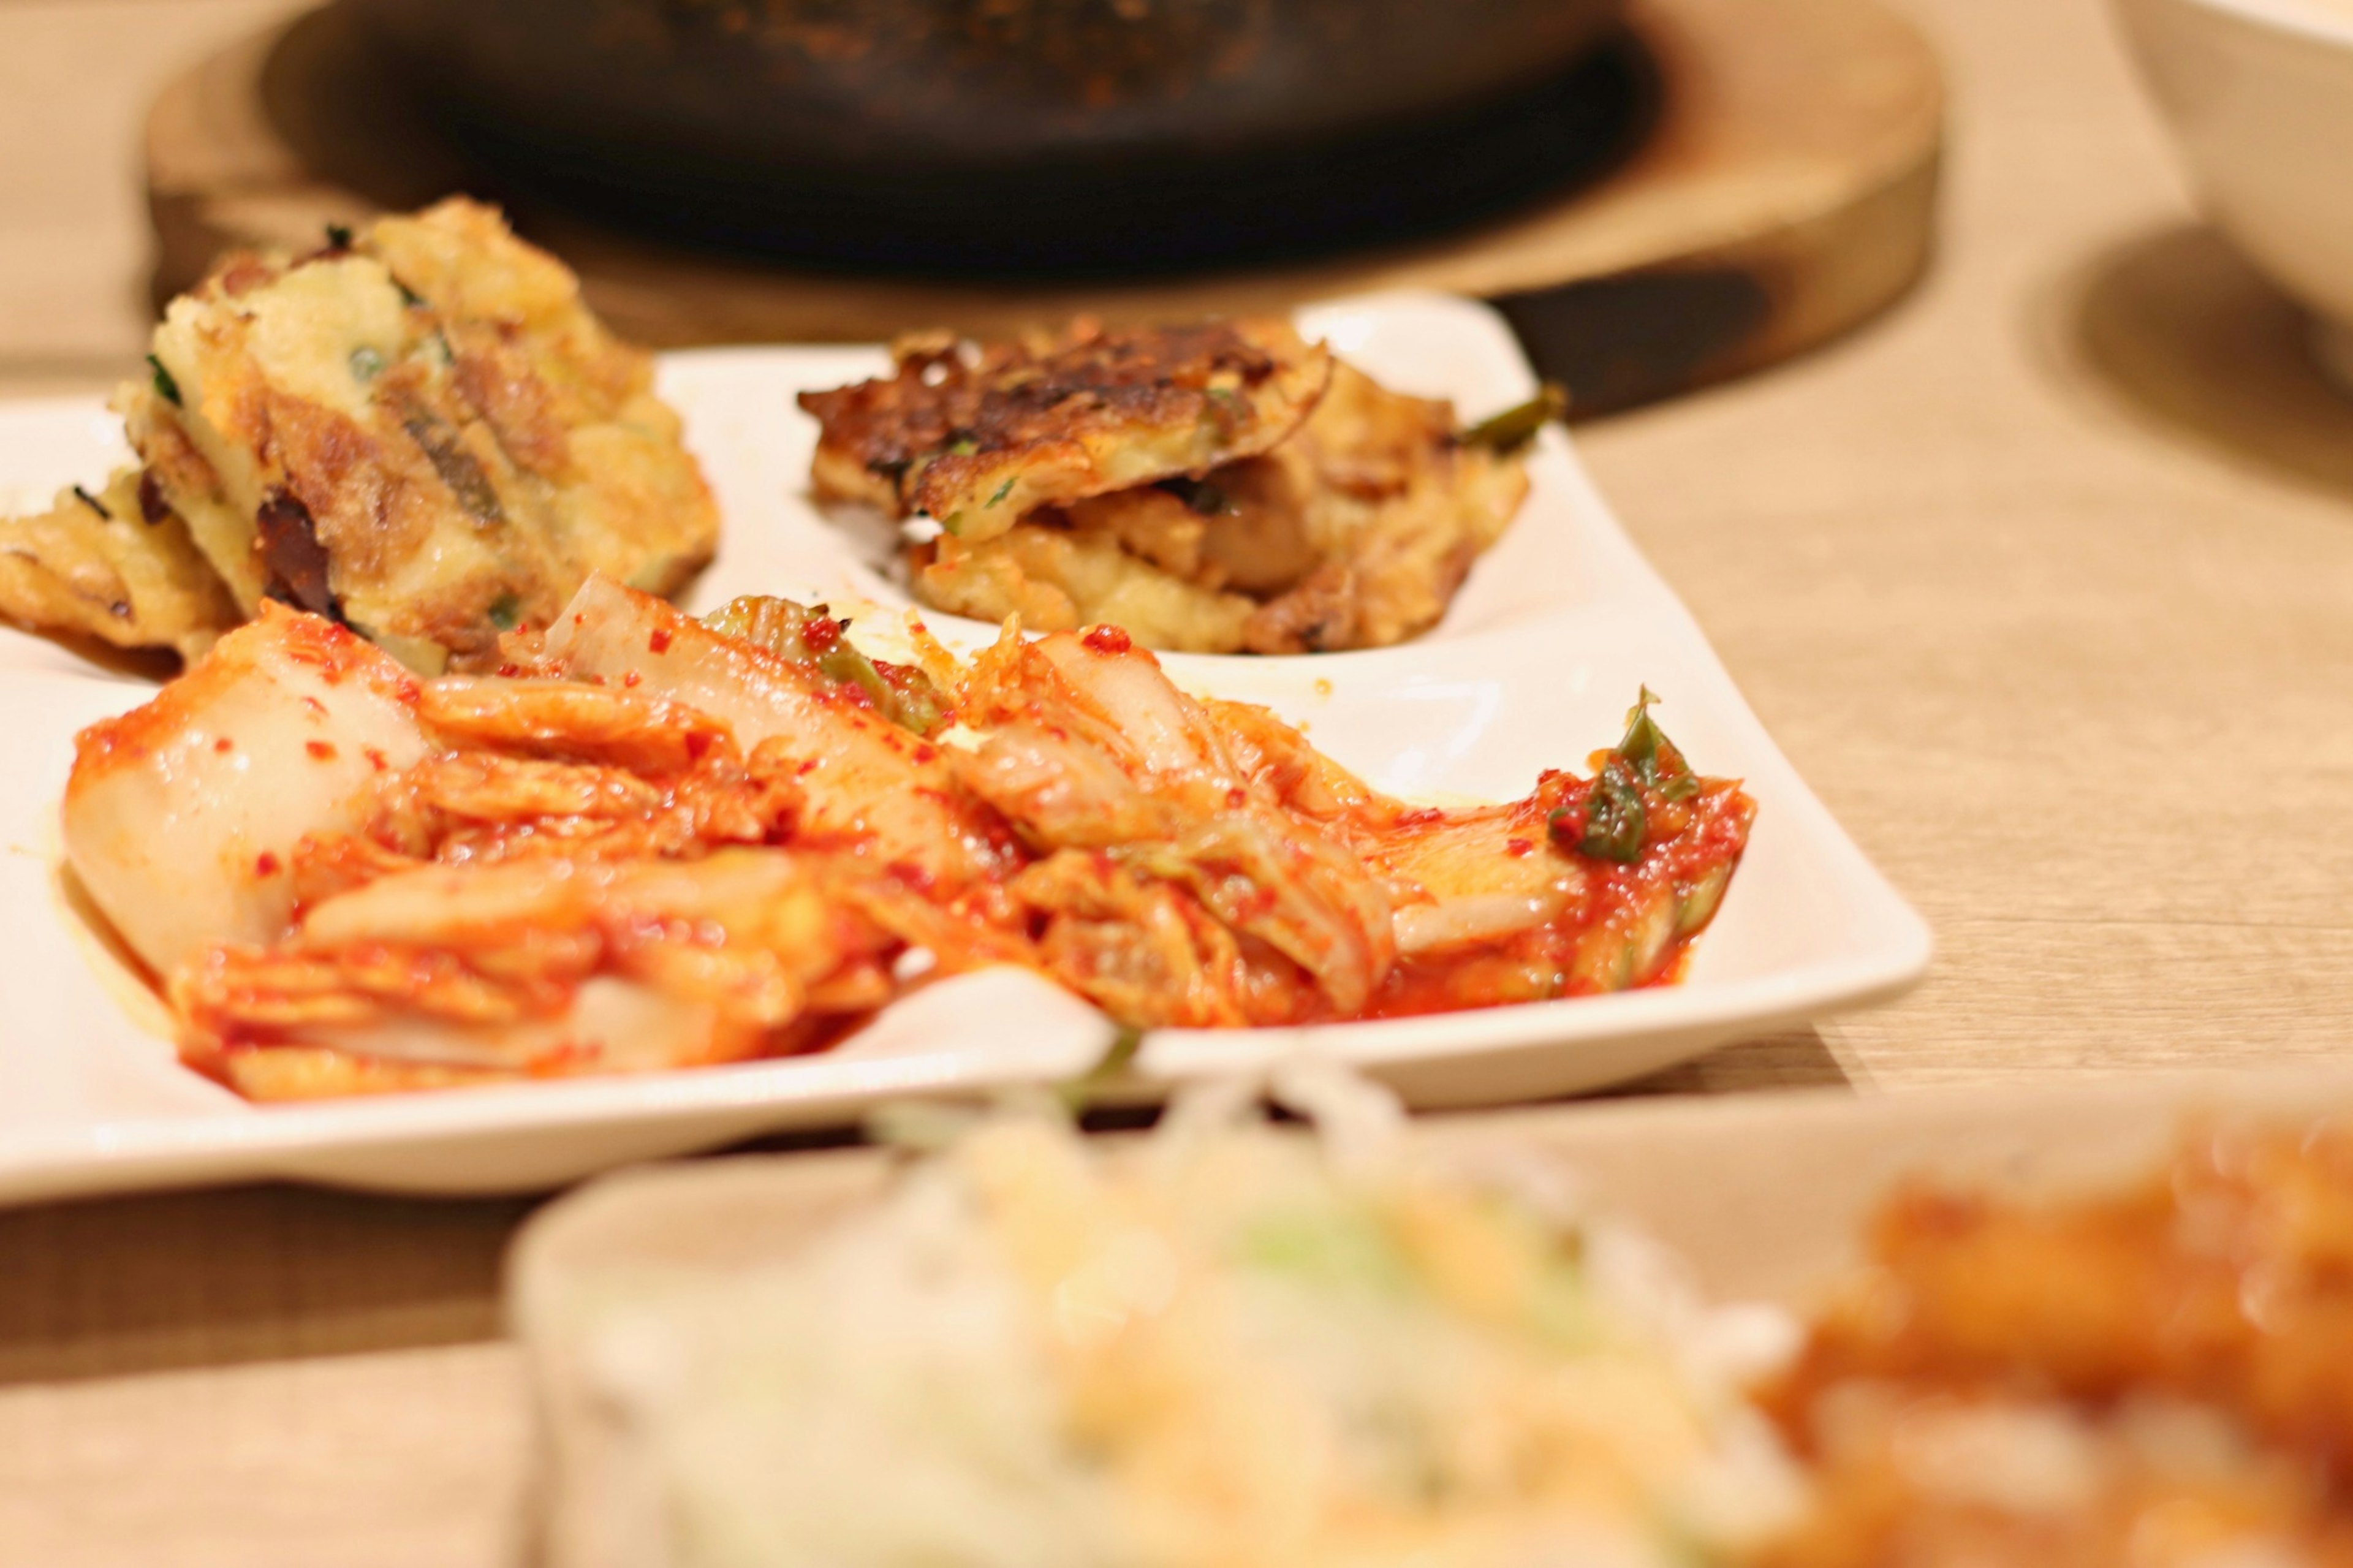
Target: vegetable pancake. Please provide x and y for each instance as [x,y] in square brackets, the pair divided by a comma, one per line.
[1354,532]
[976,435]
[418,429]
[1218,487]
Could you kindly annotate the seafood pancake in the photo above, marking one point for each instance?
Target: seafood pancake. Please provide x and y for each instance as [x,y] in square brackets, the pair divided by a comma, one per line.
[978,435]
[1354,532]
[419,430]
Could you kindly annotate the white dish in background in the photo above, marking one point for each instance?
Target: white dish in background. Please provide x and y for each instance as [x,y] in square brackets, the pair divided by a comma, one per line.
[1763,1198]
[1534,668]
[2259,96]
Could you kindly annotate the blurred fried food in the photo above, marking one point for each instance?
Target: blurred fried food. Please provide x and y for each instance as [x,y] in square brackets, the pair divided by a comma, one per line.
[2154,1377]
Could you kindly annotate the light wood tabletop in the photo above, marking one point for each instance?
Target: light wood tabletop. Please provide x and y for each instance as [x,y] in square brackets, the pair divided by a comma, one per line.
[2044,580]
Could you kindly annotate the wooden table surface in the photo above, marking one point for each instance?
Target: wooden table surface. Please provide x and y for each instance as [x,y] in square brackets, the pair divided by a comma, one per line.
[2045,581]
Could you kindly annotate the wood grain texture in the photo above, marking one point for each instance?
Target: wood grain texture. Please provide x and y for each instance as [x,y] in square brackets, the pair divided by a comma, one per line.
[397,1459]
[2042,581]
[2043,585]
[151,1284]
[1786,193]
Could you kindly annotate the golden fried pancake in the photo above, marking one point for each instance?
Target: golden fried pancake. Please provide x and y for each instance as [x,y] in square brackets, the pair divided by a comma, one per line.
[978,435]
[117,565]
[1354,533]
[418,429]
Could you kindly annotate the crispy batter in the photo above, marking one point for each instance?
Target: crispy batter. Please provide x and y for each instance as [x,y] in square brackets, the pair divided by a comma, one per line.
[1059,579]
[976,435]
[118,566]
[1354,532]
[1389,498]
[422,432]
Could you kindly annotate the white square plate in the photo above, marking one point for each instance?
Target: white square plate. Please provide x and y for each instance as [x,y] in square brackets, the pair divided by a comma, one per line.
[1533,667]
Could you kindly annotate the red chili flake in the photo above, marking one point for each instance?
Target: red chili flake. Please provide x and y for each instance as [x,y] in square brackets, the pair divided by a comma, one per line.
[924,751]
[375,758]
[1518,846]
[318,749]
[820,634]
[315,706]
[222,745]
[265,863]
[1236,799]
[632,678]
[659,641]
[808,766]
[509,671]
[1108,639]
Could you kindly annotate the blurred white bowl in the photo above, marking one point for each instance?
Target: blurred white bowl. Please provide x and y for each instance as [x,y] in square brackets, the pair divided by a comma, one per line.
[2259,96]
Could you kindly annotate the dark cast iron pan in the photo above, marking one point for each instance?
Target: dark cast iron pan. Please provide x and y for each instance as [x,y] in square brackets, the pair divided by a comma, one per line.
[1030,137]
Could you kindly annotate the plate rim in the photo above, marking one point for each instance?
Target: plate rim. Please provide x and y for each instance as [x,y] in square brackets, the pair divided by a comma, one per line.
[327,1141]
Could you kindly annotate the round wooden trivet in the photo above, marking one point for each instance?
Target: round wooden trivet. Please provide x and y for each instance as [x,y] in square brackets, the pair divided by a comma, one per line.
[1785,192]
